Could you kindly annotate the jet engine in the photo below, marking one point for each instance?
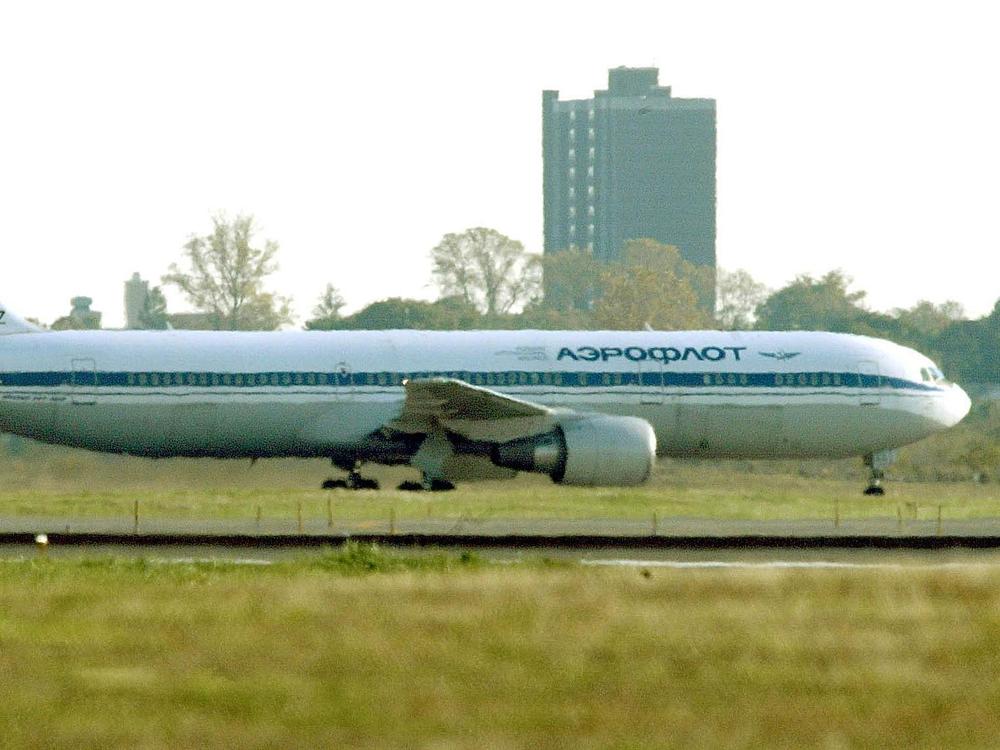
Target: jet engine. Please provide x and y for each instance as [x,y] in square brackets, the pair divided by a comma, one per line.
[590,451]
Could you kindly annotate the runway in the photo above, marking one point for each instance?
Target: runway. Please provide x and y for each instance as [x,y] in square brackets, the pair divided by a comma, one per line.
[540,535]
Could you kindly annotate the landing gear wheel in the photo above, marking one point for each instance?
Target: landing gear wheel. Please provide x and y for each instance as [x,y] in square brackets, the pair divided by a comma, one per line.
[437,485]
[410,486]
[875,487]
[334,484]
[357,482]
[877,463]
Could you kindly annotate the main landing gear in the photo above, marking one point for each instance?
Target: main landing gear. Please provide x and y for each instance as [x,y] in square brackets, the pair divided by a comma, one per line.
[427,485]
[354,481]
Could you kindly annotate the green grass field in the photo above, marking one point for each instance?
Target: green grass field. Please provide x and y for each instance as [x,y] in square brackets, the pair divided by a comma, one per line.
[71,484]
[369,649]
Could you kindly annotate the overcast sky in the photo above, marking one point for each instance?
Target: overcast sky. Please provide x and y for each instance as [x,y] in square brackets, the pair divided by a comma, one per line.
[863,136]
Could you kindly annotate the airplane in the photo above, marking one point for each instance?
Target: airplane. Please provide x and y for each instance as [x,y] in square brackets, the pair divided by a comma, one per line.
[589,408]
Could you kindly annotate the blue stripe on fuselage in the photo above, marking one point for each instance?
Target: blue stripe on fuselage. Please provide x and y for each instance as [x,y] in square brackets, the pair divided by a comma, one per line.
[506,378]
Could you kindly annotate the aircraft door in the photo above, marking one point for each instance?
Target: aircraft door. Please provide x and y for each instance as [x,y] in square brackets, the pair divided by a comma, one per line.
[83,379]
[344,380]
[869,383]
[650,381]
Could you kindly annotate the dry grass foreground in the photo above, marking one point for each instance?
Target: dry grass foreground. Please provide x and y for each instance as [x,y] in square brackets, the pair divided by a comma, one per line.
[313,653]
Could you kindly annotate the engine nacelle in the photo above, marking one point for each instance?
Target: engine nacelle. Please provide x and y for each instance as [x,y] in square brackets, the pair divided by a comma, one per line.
[592,451]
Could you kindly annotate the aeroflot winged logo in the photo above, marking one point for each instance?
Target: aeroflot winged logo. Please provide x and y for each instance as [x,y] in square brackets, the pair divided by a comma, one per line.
[781,355]
[663,354]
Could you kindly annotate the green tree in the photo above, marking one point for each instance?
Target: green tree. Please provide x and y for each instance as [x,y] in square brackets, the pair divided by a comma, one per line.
[737,297]
[486,269]
[153,315]
[572,280]
[653,285]
[326,314]
[809,304]
[225,277]
[450,313]
[970,349]
[927,319]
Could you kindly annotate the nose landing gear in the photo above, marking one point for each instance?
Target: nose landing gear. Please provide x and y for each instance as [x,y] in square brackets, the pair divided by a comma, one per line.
[877,463]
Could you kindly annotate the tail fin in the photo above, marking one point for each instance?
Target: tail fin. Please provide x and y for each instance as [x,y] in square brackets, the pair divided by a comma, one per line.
[11,323]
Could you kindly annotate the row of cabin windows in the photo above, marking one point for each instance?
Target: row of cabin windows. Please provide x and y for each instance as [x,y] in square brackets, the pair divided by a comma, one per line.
[809,379]
[232,379]
[204,379]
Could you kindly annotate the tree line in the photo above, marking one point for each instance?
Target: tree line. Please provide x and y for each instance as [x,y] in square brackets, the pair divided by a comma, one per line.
[488,281]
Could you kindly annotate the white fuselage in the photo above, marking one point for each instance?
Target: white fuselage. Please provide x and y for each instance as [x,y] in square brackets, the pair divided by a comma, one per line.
[706,393]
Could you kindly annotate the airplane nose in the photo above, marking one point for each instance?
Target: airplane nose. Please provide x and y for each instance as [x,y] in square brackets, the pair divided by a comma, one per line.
[958,406]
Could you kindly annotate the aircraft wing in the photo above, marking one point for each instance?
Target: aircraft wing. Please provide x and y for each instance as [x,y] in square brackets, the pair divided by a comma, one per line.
[471,411]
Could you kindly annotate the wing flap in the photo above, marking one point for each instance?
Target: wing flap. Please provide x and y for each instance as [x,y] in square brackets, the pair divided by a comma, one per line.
[471,411]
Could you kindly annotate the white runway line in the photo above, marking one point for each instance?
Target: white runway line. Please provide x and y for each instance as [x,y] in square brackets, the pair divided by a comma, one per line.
[782,564]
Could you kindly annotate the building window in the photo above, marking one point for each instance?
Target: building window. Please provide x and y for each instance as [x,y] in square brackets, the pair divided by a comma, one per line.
[590,210]
[590,191]
[572,133]
[572,173]
[590,171]
[590,229]
[571,154]
[572,192]
[590,246]
[572,229]
[572,114]
[590,113]
[572,211]
[590,153]
[590,133]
